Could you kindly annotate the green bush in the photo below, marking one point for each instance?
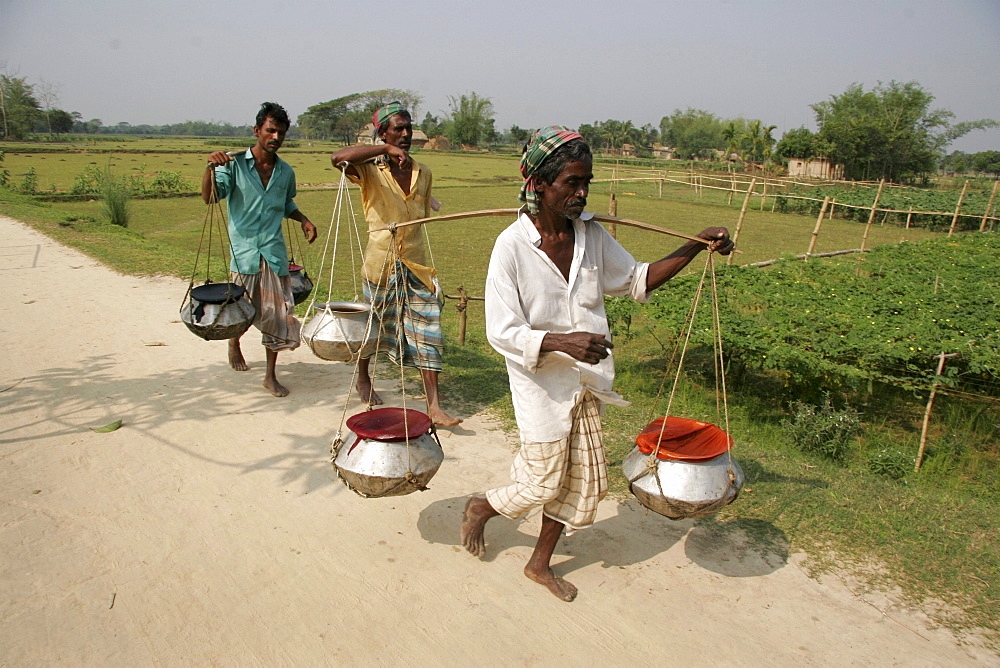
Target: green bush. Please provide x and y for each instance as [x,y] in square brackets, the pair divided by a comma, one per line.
[822,430]
[87,182]
[116,200]
[29,184]
[890,462]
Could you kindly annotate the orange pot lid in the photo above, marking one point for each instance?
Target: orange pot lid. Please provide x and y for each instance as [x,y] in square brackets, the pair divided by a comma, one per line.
[683,439]
[390,424]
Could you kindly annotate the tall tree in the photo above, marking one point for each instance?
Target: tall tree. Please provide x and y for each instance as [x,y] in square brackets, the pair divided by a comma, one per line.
[591,134]
[889,132]
[472,119]
[693,133]
[344,117]
[60,121]
[47,94]
[18,107]
[519,135]
[797,143]
[430,125]
[618,133]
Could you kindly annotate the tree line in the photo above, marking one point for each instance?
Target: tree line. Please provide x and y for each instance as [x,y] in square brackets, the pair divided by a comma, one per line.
[890,132]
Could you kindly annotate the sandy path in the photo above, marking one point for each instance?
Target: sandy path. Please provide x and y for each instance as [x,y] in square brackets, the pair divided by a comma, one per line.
[211,530]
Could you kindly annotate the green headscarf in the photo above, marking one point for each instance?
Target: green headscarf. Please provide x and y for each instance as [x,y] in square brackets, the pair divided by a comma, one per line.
[541,146]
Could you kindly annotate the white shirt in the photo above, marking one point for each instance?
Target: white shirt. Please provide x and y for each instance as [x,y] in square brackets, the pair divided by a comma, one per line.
[527,297]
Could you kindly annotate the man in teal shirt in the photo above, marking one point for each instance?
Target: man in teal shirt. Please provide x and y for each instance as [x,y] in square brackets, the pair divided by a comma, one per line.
[259,188]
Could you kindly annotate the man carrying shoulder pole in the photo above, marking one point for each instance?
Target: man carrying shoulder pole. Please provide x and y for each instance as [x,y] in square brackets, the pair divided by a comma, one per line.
[259,188]
[545,287]
[396,189]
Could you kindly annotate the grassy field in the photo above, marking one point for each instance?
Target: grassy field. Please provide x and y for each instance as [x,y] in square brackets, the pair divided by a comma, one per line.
[934,536]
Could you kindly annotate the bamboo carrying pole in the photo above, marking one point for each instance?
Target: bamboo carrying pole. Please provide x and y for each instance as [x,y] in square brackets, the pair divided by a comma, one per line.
[513,212]
[958,208]
[927,411]
[989,206]
[819,222]
[743,213]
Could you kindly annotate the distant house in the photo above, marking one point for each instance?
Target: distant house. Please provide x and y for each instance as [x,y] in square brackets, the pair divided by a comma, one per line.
[626,151]
[664,152]
[365,136]
[817,168]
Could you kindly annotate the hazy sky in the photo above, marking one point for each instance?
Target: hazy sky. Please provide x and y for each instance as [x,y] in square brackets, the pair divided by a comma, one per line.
[541,62]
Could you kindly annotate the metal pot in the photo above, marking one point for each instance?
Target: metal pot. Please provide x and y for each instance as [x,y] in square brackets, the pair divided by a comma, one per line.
[375,461]
[222,312]
[341,331]
[683,489]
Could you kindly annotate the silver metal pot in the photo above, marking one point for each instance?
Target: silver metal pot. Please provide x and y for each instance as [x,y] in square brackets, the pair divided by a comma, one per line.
[214,322]
[341,331]
[375,468]
[683,489]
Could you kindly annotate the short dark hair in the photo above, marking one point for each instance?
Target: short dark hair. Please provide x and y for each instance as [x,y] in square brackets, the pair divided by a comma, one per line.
[274,111]
[575,150]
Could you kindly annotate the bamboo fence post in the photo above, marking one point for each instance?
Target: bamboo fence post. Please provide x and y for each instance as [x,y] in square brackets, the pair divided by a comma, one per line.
[613,211]
[958,207]
[815,232]
[732,190]
[909,217]
[833,205]
[661,188]
[871,216]
[989,205]
[743,213]
[763,196]
[927,411]
[463,303]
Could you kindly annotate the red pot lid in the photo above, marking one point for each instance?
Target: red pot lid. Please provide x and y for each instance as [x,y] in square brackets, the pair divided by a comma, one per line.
[683,439]
[390,424]
[294,267]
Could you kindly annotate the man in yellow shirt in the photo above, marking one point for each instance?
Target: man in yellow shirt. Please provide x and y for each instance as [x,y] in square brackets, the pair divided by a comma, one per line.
[395,189]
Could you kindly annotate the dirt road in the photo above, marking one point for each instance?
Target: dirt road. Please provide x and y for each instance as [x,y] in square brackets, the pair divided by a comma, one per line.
[211,530]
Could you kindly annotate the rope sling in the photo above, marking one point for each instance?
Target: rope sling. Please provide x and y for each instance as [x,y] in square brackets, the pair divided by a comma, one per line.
[672,507]
[226,305]
[302,285]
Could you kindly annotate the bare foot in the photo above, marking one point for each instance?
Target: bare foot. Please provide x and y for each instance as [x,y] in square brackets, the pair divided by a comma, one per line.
[563,589]
[442,419]
[275,388]
[477,511]
[367,392]
[236,356]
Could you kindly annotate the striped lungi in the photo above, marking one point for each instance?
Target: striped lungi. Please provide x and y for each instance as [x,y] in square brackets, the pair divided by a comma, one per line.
[271,295]
[410,317]
[568,478]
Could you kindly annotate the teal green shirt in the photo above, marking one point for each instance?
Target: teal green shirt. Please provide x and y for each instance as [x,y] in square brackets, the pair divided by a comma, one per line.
[255,213]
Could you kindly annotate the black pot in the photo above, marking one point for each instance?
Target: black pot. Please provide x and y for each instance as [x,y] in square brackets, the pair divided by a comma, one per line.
[218,293]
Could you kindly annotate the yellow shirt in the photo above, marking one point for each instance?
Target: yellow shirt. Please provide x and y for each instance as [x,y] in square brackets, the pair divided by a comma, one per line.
[384,203]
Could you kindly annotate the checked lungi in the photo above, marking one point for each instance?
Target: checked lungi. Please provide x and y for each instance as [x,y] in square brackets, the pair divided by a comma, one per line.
[568,478]
[410,316]
[271,296]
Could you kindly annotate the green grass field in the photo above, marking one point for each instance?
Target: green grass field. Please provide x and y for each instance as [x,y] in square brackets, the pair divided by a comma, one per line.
[934,536]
